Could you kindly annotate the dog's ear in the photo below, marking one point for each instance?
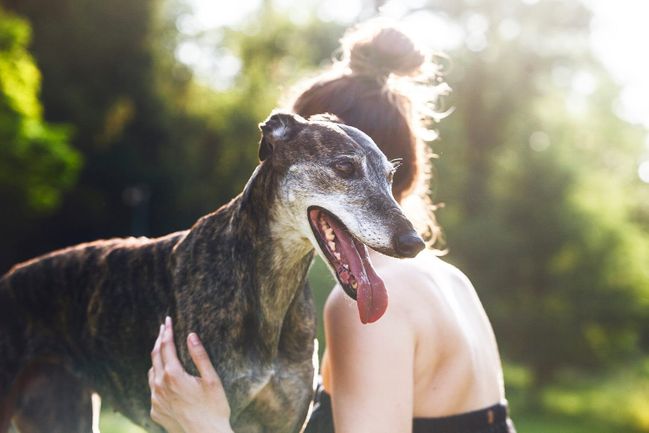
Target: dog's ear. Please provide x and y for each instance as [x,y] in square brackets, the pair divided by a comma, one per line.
[326,117]
[279,127]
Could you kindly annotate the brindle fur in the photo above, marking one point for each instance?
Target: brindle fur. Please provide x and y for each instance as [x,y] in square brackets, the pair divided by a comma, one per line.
[85,318]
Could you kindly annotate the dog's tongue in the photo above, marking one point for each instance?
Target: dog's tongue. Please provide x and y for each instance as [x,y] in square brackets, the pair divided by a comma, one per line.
[372,298]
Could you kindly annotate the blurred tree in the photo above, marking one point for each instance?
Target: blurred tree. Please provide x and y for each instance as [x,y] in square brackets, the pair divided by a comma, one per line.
[97,66]
[36,162]
[109,71]
[160,149]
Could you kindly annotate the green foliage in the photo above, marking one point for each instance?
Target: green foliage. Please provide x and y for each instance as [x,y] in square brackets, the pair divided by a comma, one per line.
[102,67]
[36,162]
[113,422]
[619,398]
[536,422]
[321,282]
[159,149]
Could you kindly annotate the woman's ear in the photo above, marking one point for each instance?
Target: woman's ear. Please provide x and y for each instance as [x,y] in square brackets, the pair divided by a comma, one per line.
[279,127]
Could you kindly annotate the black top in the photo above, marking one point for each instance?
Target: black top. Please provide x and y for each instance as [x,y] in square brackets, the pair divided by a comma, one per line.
[493,419]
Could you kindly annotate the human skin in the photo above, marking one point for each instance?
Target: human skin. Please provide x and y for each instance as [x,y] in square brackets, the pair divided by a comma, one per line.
[432,354]
[180,402]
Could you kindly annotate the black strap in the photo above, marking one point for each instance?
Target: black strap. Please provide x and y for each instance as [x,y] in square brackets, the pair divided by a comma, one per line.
[321,419]
[493,419]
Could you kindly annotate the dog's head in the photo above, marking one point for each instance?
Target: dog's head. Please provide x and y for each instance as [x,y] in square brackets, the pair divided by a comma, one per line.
[336,186]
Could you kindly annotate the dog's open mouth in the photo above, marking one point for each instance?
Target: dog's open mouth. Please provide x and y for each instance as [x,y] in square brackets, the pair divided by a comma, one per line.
[349,258]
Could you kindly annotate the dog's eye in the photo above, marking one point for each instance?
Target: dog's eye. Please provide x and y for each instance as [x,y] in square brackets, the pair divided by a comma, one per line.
[345,167]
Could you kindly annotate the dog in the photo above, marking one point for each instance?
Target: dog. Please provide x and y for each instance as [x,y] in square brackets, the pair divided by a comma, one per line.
[84,319]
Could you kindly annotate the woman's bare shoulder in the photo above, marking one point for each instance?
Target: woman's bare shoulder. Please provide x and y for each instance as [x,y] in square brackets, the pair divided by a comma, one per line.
[426,274]
[413,285]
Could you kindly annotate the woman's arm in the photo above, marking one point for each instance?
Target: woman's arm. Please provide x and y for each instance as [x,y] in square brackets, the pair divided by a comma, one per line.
[180,402]
[370,368]
[370,371]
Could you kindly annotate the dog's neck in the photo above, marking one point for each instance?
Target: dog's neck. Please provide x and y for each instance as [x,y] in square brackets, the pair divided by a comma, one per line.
[270,258]
[282,251]
[261,206]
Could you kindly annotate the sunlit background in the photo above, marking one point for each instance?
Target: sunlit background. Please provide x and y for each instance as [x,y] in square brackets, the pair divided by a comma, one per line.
[618,36]
[125,117]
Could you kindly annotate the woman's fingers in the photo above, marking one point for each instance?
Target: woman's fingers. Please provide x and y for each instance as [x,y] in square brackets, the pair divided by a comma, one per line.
[156,359]
[202,360]
[151,377]
[181,402]
[168,349]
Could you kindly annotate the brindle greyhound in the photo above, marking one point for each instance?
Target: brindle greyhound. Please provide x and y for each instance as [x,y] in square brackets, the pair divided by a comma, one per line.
[84,318]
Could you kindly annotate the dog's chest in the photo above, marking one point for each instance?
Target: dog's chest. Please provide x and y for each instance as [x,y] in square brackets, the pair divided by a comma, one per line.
[248,383]
[273,399]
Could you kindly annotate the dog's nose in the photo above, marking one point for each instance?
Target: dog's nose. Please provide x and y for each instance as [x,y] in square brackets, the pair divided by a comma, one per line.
[408,244]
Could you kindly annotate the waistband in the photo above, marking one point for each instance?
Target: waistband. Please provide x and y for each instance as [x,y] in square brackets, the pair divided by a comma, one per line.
[493,419]
[487,419]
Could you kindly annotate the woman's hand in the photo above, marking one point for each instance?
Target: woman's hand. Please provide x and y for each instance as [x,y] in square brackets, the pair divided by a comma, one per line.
[180,402]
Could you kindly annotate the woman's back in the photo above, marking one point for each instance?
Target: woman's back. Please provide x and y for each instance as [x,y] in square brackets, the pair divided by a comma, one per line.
[434,313]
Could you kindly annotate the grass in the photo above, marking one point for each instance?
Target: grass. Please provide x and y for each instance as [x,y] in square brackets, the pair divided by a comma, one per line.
[616,401]
[112,422]
[528,423]
[620,397]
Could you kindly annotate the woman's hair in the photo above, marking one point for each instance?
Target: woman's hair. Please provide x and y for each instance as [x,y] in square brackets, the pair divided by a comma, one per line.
[387,87]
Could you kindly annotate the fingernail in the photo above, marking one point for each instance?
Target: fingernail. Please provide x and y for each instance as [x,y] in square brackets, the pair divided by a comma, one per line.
[168,321]
[193,339]
[162,329]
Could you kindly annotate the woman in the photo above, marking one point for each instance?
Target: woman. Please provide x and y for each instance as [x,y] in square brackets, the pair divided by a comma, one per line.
[431,362]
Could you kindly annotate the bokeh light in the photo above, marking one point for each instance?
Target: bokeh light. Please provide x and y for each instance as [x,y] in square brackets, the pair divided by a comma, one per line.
[643,171]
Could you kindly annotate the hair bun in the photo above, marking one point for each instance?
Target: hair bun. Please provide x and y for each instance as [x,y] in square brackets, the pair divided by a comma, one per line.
[379,50]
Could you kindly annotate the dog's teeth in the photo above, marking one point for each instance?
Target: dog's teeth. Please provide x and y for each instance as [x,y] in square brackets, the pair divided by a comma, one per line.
[354,284]
[329,234]
[332,245]
[346,266]
[337,255]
